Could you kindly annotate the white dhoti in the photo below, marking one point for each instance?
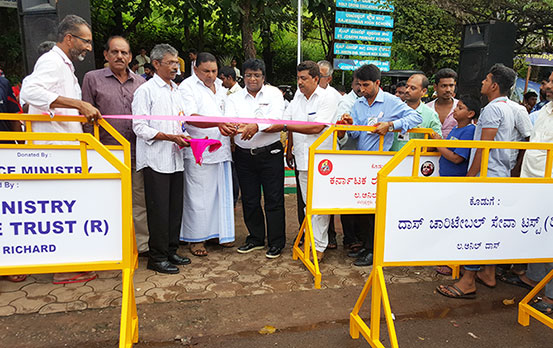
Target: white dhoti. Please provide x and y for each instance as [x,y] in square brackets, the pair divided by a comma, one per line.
[208,210]
[320,223]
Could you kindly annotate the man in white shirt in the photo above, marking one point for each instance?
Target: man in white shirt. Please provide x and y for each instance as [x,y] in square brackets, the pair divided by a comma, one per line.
[209,208]
[53,87]
[258,159]
[192,55]
[159,156]
[311,104]
[326,69]
[228,76]
[142,59]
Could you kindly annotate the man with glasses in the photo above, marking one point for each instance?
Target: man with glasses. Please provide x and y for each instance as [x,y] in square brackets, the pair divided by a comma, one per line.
[159,155]
[53,88]
[258,160]
[111,90]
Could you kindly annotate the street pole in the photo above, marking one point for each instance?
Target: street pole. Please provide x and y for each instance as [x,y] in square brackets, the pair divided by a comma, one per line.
[299,30]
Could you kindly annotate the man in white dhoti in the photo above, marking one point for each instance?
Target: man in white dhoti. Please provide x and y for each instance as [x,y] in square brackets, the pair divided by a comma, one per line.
[208,203]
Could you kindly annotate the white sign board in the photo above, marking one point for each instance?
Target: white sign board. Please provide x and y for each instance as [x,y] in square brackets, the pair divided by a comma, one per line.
[8,3]
[58,221]
[468,221]
[53,161]
[349,181]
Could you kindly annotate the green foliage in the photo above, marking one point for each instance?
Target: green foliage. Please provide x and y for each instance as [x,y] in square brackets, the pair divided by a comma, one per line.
[425,37]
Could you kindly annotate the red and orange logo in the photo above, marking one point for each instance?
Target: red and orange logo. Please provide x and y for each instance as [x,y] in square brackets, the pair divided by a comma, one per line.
[325,167]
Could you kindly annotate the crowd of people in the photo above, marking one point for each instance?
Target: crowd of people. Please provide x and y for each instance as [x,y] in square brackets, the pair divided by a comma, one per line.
[176,200]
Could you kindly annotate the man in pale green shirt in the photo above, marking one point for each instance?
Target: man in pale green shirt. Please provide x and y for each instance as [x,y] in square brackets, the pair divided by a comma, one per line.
[417,87]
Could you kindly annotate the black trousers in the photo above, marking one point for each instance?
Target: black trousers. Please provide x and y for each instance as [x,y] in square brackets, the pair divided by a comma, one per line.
[263,170]
[164,198]
[366,228]
[354,230]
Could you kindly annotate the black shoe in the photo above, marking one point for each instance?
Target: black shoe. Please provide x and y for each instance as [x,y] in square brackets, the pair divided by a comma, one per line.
[162,267]
[273,252]
[362,261]
[357,254]
[179,260]
[248,247]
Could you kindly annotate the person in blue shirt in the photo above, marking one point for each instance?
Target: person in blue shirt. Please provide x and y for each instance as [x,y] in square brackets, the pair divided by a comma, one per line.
[455,161]
[386,112]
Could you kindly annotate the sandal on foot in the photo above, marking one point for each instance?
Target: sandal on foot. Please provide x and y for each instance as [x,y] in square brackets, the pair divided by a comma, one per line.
[515,280]
[454,292]
[544,307]
[227,245]
[444,270]
[354,247]
[198,249]
[480,281]
[77,278]
[16,278]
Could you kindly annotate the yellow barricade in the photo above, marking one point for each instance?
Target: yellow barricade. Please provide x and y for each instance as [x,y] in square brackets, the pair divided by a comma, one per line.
[115,175]
[324,201]
[505,222]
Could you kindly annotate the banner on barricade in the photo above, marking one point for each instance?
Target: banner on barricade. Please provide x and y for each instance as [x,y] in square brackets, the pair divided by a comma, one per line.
[349,181]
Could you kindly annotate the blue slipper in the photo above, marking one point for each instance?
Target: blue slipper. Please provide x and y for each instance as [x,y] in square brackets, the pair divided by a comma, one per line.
[515,280]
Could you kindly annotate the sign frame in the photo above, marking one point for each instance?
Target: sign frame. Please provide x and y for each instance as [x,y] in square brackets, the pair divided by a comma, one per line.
[87,142]
[308,254]
[376,283]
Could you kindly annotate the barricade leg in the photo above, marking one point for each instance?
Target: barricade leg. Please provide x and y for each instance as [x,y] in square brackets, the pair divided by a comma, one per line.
[129,318]
[455,271]
[379,297]
[308,251]
[525,310]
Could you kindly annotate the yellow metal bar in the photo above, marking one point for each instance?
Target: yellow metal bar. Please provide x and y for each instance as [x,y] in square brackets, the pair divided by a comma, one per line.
[416,162]
[524,310]
[376,300]
[84,158]
[59,176]
[61,267]
[549,164]
[387,308]
[484,163]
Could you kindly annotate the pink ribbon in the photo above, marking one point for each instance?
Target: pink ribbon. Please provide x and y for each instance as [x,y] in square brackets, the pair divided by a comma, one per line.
[198,147]
[212,119]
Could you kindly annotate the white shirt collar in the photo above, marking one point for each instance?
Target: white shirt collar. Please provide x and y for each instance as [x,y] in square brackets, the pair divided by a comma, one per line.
[64,56]
[162,83]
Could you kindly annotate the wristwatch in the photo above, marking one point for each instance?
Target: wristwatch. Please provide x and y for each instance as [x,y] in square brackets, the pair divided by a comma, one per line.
[285,128]
[391,127]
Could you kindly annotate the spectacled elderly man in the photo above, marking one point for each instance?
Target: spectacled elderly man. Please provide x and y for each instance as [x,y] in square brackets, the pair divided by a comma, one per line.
[159,155]
[53,88]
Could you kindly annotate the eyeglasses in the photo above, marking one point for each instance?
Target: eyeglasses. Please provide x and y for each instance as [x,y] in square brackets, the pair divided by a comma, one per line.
[171,63]
[253,76]
[88,42]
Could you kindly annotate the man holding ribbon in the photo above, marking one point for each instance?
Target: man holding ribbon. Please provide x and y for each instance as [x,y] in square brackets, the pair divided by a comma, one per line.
[159,155]
[258,160]
[208,200]
[386,112]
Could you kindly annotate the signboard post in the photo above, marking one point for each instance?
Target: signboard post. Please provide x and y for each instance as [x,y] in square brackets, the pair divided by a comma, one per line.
[68,208]
[465,221]
[355,38]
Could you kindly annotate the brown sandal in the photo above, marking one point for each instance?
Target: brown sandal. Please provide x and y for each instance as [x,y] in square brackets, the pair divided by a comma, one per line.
[198,249]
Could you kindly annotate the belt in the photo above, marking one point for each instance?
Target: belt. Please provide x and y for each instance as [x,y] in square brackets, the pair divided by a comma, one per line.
[260,150]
